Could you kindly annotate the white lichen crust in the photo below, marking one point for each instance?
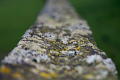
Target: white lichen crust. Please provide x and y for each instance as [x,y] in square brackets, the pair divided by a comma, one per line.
[59,46]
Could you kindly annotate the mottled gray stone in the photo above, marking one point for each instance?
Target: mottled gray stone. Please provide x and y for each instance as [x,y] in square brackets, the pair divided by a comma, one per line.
[59,46]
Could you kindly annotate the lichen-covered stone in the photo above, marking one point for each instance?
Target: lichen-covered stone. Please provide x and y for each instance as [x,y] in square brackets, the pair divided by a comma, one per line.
[59,46]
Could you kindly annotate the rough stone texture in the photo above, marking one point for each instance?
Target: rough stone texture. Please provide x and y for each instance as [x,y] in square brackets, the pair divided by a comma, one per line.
[59,46]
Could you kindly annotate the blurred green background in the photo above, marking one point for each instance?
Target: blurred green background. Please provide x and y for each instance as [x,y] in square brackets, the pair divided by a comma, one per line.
[103,16]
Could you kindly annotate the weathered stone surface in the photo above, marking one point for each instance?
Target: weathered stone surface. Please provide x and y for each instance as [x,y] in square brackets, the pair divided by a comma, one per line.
[59,46]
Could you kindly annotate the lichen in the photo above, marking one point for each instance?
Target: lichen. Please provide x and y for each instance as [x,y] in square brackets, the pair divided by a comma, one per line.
[59,46]
[5,70]
[48,75]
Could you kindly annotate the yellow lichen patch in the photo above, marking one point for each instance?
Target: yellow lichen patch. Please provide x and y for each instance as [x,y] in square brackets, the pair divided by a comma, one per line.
[78,48]
[17,75]
[48,75]
[54,75]
[72,41]
[88,76]
[65,49]
[5,70]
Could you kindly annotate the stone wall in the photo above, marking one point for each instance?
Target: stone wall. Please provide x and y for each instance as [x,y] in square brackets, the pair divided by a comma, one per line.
[59,46]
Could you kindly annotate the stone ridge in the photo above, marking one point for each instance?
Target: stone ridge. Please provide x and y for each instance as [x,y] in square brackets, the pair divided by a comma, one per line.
[59,46]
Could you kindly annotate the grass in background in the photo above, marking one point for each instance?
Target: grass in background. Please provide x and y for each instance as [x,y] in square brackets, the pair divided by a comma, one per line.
[15,18]
[103,17]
